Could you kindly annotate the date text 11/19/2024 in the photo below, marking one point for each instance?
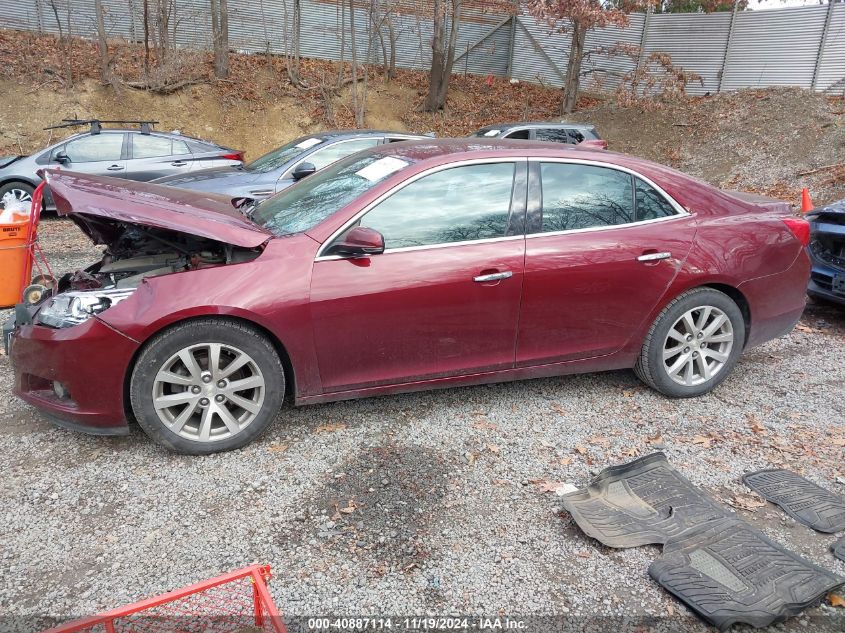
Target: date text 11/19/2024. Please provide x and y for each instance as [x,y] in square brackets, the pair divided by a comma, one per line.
[416,623]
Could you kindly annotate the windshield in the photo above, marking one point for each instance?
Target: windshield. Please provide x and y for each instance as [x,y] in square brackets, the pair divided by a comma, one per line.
[312,200]
[278,157]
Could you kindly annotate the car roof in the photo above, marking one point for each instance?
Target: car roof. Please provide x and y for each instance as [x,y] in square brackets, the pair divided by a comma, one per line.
[427,153]
[534,124]
[340,134]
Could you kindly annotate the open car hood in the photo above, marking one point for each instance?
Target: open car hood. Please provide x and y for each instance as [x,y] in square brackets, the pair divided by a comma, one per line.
[145,204]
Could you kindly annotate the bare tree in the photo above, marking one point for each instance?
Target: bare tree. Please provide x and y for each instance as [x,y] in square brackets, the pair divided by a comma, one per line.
[102,44]
[442,52]
[292,44]
[65,42]
[358,104]
[220,37]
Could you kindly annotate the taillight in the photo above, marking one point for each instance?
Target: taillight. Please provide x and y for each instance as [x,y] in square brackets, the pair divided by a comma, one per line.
[233,156]
[800,229]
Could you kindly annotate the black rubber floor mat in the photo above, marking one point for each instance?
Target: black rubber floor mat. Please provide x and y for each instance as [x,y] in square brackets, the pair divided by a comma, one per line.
[838,549]
[727,572]
[800,498]
[641,502]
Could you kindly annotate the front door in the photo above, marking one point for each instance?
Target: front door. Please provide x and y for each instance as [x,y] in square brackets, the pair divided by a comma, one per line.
[100,154]
[443,299]
[602,249]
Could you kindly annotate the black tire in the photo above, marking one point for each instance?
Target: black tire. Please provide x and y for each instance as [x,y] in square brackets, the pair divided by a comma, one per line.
[650,367]
[15,186]
[164,346]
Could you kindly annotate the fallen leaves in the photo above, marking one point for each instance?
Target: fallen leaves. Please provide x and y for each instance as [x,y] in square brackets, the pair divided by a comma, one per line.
[836,600]
[750,502]
[559,488]
[330,427]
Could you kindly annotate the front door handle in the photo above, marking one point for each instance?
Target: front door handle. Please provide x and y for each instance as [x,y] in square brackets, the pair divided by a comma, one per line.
[493,277]
[653,257]
[178,163]
[115,168]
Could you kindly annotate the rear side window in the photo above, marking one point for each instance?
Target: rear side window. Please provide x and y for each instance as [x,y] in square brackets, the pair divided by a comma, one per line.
[584,196]
[333,153]
[453,205]
[650,203]
[553,135]
[148,146]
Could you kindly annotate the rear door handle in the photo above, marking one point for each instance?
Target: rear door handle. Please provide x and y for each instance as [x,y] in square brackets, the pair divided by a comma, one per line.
[178,163]
[493,277]
[653,257]
[115,168]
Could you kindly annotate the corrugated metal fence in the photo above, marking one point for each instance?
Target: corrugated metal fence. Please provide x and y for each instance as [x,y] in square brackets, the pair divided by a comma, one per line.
[801,46]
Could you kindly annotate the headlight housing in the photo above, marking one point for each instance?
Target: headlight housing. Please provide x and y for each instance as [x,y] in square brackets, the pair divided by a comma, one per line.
[72,308]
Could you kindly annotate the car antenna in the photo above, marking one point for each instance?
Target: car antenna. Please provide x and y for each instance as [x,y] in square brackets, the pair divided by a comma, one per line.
[97,124]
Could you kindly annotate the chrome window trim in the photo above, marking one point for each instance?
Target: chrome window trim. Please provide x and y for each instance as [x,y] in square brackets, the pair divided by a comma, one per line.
[288,173]
[680,211]
[471,161]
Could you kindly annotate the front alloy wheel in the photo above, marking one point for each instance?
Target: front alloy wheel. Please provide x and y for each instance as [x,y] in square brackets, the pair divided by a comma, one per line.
[208,392]
[207,386]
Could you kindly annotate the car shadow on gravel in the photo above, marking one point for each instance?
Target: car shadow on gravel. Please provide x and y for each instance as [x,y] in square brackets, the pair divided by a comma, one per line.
[376,508]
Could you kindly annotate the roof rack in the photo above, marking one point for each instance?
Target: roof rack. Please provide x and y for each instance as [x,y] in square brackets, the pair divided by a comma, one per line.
[97,124]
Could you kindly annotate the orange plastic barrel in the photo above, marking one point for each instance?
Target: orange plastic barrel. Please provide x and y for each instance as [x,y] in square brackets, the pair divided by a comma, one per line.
[15,262]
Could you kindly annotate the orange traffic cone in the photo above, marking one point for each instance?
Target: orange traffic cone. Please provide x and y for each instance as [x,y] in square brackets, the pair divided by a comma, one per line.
[806,203]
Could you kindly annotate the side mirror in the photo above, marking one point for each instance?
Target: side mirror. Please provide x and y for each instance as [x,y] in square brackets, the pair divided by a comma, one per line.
[242,202]
[359,242]
[302,170]
[61,157]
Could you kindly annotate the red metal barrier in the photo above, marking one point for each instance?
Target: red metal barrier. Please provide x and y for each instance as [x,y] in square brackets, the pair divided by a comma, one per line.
[232,603]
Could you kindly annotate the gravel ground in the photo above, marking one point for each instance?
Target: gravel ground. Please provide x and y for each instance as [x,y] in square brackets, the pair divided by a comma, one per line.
[444,505]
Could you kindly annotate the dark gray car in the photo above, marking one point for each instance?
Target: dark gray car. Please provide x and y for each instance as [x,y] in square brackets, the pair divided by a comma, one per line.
[282,167]
[136,154]
[554,131]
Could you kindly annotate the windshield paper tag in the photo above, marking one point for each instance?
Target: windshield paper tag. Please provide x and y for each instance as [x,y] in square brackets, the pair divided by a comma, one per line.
[309,142]
[381,168]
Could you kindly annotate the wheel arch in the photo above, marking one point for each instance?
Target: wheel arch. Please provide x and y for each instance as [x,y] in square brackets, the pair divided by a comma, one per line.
[281,351]
[739,299]
[8,180]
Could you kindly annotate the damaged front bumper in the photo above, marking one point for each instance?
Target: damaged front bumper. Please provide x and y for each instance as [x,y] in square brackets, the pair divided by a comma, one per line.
[74,375]
[827,253]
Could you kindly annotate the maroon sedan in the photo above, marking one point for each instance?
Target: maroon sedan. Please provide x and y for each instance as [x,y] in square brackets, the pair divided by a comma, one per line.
[410,266]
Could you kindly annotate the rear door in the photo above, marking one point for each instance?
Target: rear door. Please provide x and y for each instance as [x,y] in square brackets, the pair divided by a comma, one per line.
[102,154]
[443,299]
[603,247]
[154,156]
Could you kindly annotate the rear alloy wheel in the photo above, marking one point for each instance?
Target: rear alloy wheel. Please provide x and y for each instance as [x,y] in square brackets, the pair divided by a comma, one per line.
[15,192]
[693,344]
[205,387]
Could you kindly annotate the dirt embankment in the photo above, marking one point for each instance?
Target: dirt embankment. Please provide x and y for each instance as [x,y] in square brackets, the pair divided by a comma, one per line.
[760,140]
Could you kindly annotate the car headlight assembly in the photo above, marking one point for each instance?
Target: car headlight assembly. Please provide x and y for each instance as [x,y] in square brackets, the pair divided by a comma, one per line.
[72,308]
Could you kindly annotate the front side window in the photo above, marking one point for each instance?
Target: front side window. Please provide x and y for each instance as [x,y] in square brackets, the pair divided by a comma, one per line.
[147,146]
[459,204]
[310,201]
[651,205]
[519,134]
[584,196]
[333,153]
[97,147]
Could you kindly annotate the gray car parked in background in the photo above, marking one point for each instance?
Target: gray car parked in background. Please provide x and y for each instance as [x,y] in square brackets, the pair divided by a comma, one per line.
[137,154]
[551,131]
[282,167]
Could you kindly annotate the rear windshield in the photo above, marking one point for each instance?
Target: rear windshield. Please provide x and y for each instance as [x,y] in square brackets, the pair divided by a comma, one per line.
[278,157]
[312,200]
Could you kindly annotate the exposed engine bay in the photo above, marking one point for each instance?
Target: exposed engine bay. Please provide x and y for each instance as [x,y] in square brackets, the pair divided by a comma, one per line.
[134,253]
